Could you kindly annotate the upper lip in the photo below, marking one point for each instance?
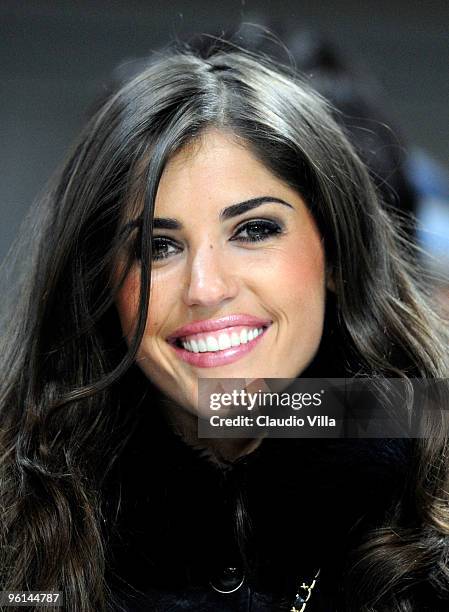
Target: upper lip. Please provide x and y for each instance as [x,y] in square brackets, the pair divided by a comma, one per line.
[206,325]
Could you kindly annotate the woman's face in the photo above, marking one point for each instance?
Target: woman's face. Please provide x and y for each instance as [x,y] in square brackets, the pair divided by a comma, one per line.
[238,274]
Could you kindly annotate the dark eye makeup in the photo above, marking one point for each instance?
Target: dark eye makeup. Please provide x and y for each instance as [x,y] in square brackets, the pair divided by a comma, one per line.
[255,230]
[164,247]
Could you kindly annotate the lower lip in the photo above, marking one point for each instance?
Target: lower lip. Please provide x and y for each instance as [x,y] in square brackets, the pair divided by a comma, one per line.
[218,358]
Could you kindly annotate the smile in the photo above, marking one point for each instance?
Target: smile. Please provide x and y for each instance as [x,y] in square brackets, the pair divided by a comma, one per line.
[220,341]
[225,344]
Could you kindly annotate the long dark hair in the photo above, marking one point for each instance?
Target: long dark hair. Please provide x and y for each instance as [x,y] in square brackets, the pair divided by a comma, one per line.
[65,365]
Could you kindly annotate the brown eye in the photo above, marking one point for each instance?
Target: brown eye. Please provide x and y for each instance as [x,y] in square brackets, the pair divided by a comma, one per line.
[163,247]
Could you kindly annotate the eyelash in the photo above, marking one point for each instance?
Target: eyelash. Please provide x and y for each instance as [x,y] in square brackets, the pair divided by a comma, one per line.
[162,240]
[270,229]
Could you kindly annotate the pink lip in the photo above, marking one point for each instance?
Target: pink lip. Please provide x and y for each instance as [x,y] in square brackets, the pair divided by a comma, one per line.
[218,358]
[215,324]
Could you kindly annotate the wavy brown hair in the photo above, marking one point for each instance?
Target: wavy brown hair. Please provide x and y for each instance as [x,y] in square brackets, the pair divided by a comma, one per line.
[66,370]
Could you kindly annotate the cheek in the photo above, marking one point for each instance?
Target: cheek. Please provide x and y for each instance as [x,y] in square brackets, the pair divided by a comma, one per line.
[294,276]
[308,293]
[127,303]
[306,277]
[303,273]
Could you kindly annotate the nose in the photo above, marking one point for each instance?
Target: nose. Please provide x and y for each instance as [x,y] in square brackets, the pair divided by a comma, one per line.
[210,279]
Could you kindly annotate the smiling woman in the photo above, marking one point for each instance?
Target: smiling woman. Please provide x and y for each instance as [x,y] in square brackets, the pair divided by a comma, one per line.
[220,246]
[213,221]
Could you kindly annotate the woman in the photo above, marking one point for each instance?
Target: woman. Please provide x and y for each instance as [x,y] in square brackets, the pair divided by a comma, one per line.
[213,191]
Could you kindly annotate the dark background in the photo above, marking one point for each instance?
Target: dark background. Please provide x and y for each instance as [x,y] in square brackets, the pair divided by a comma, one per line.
[56,56]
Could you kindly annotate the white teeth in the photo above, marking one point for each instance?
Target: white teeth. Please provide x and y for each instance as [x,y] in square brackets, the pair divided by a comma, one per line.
[224,341]
[235,339]
[202,346]
[212,344]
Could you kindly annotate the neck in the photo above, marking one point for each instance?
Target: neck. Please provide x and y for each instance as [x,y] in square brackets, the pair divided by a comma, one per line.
[218,450]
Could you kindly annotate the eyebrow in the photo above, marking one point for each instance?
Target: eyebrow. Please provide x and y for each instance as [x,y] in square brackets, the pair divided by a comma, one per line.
[226,213]
[166,223]
[242,207]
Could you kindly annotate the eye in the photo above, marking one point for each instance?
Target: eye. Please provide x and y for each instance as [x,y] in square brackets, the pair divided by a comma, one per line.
[163,247]
[257,229]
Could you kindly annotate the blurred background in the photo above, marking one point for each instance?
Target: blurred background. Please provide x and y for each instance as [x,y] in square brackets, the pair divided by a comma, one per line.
[57,58]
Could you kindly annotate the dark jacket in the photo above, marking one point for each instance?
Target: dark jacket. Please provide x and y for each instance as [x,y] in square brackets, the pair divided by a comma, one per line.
[260,527]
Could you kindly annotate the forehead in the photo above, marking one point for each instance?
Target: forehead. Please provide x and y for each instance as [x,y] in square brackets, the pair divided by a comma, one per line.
[216,169]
